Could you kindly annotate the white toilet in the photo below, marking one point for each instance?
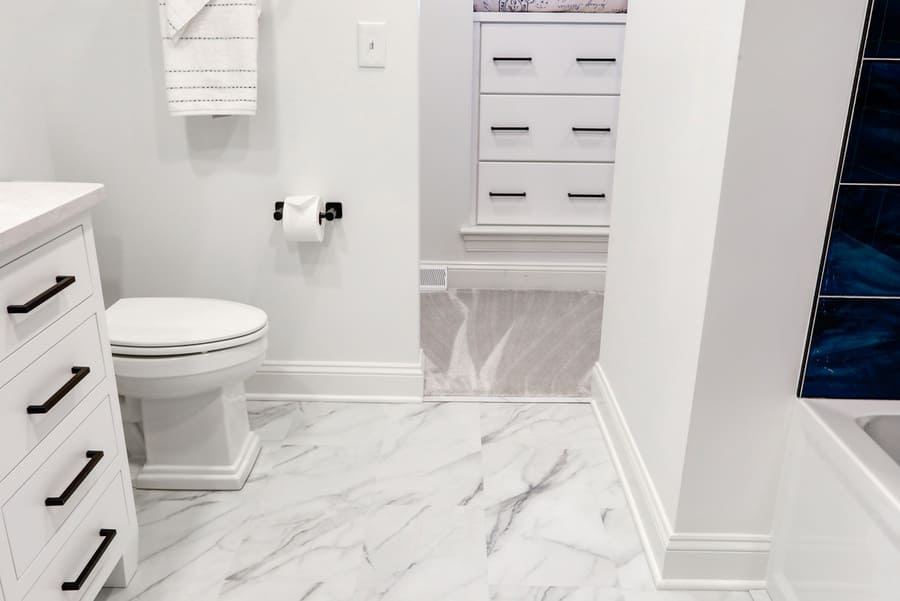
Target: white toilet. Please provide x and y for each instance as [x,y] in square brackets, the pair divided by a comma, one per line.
[180,365]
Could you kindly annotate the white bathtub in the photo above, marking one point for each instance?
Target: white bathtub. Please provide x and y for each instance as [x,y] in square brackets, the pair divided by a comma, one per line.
[837,533]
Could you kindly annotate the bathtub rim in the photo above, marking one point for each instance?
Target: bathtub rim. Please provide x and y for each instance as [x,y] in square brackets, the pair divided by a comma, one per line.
[869,471]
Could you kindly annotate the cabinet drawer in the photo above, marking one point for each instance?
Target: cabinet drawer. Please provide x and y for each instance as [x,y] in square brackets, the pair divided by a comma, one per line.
[548,128]
[63,481]
[108,514]
[545,58]
[544,194]
[47,283]
[54,380]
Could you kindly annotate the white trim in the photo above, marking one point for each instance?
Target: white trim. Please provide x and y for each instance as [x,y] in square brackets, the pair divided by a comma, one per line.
[524,276]
[339,381]
[535,239]
[516,17]
[678,560]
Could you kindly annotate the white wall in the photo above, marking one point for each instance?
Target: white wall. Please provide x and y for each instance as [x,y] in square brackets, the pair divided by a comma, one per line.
[24,149]
[730,134]
[190,201]
[673,126]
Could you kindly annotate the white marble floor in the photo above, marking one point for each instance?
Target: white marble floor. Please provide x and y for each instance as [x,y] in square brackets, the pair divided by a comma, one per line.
[433,502]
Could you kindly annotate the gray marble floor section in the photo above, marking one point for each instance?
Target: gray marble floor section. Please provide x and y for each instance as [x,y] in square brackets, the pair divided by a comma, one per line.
[431,502]
[521,343]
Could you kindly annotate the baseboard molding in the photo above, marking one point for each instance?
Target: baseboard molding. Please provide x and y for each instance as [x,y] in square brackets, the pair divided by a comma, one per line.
[334,381]
[678,560]
[535,239]
[523,276]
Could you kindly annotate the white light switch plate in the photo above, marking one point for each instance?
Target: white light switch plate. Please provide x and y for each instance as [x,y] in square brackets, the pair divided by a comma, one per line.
[372,44]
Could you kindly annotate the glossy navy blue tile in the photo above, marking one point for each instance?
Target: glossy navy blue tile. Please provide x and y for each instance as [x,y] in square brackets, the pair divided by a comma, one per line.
[855,350]
[864,252]
[884,30]
[873,147]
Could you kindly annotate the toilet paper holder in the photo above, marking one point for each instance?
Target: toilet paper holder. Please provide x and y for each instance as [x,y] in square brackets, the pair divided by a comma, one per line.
[333,210]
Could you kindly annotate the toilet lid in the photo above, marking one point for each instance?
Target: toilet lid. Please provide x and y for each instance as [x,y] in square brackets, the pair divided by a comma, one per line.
[178,322]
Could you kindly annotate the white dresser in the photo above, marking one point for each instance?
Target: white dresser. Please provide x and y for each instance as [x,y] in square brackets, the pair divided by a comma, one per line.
[67,519]
[547,105]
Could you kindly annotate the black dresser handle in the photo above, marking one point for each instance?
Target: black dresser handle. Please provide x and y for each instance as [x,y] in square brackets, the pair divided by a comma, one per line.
[80,373]
[108,536]
[62,282]
[95,458]
[602,130]
[510,128]
[574,195]
[512,59]
[507,194]
[585,59]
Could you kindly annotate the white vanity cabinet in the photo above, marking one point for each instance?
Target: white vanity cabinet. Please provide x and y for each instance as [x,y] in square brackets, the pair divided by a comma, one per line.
[67,517]
[547,102]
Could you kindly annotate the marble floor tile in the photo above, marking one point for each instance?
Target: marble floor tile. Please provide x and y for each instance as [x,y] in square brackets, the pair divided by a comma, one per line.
[437,472]
[339,424]
[555,517]
[424,552]
[298,552]
[571,425]
[186,543]
[525,593]
[272,420]
[434,502]
[510,342]
[326,477]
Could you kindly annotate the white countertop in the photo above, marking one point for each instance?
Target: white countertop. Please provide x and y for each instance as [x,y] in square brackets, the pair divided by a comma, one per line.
[29,208]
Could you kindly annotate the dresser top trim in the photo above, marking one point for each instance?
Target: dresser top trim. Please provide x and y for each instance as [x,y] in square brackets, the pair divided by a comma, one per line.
[30,208]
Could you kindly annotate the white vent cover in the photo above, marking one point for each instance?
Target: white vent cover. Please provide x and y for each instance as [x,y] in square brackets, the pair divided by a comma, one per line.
[433,278]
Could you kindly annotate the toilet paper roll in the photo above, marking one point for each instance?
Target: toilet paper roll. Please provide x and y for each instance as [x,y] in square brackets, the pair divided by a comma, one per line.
[301,218]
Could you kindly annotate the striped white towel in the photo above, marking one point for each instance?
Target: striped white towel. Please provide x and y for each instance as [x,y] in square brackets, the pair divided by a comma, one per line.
[210,54]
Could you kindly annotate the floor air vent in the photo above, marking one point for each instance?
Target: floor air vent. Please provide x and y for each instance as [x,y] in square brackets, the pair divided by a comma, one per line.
[432,278]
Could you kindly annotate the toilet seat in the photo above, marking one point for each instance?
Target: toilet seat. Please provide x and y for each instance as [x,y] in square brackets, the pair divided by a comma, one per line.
[165,327]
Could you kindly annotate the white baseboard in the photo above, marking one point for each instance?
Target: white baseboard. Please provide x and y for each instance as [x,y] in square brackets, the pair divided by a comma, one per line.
[523,276]
[678,560]
[333,381]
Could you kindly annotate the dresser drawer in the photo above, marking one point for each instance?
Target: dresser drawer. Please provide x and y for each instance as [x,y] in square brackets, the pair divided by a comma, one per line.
[108,516]
[545,58]
[53,381]
[548,128]
[41,286]
[544,194]
[39,508]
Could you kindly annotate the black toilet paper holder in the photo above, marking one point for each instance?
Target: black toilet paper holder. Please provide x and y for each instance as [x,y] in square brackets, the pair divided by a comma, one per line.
[333,210]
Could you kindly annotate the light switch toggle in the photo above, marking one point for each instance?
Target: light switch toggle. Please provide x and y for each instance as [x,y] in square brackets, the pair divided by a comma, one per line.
[372,44]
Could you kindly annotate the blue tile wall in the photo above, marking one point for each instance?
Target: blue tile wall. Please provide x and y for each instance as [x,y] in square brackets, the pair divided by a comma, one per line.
[864,252]
[855,350]
[854,345]
[873,149]
[884,30]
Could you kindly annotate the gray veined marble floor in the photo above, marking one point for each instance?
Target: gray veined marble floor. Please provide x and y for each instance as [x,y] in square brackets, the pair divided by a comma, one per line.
[520,343]
[432,502]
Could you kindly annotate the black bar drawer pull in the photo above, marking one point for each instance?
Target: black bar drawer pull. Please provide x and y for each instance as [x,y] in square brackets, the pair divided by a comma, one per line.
[510,128]
[573,195]
[62,282]
[95,458]
[586,59]
[507,194]
[602,130]
[80,373]
[108,536]
[512,59]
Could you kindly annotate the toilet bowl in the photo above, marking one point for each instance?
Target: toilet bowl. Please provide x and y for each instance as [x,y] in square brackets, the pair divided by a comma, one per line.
[180,365]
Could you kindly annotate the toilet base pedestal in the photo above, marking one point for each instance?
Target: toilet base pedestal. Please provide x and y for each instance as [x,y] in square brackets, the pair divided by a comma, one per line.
[200,442]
